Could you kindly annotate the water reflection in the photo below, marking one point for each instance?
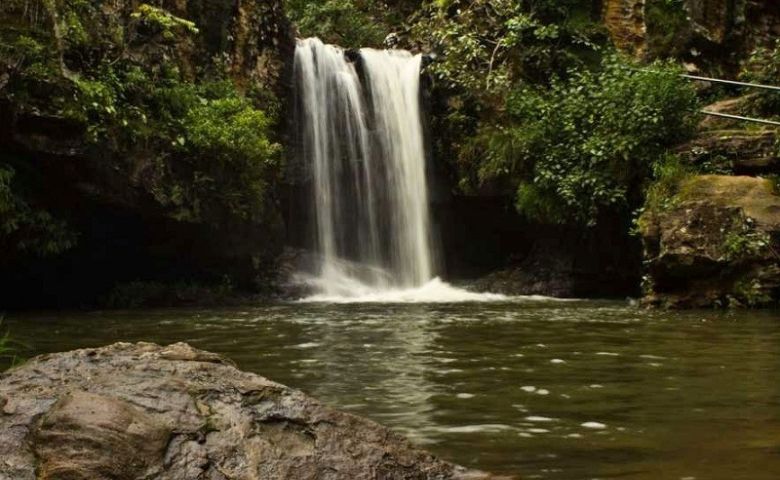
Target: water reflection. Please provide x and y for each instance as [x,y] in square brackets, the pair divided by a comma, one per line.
[548,390]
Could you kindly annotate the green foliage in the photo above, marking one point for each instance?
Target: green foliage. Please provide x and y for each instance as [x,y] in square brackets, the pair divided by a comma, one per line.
[763,66]
[27,229]
[29,60]
[482,51]
[749,292]
[228,141]
[349,23]
[486,45]
[163,22]
[214,144]
[586,144]
[201,147]
[669,173]
[744,241]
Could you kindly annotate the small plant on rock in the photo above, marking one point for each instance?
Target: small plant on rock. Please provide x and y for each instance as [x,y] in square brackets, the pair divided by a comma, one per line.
[745,241]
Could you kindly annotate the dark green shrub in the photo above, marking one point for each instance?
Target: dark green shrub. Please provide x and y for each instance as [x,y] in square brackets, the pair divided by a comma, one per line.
[588,143]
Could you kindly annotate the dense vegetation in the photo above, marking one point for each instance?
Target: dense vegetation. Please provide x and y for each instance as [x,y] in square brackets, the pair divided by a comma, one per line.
[542,106]
[586,144]
[211,143]
[142,113]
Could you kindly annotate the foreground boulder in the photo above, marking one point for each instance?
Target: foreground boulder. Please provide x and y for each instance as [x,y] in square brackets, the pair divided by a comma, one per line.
[716,244]
[140,411]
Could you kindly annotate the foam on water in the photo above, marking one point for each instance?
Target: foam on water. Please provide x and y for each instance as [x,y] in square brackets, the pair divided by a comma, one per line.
[434,291]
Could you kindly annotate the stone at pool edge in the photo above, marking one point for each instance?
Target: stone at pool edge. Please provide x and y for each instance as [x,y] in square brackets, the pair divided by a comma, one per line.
[131,411]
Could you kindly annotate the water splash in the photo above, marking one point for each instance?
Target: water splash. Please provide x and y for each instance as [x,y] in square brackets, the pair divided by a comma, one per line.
[433,291]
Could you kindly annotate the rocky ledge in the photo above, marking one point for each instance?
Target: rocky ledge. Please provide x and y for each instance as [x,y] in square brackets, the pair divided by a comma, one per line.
[142,411]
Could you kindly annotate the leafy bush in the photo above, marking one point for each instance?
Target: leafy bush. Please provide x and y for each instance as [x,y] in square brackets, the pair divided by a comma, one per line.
[198,144]
[744,241]
[668,174]
[586,144]
[228,140]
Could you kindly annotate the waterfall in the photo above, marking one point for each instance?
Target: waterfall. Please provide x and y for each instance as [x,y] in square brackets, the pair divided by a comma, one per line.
[393,79]
[361,138]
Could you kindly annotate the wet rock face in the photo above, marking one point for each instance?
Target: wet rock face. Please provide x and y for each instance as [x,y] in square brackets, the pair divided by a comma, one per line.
[716,247]
[138,411]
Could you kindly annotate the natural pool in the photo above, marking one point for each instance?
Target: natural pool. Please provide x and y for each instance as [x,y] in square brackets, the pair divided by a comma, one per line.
[553,390]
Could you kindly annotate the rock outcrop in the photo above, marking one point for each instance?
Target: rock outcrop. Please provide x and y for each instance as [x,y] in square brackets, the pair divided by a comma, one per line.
[139,411]
[715,245]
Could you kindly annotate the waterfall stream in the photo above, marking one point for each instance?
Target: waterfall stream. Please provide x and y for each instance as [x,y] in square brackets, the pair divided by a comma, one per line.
[361,136]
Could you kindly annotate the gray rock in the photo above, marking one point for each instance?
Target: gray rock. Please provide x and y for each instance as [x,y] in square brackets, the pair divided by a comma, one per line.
[142,411]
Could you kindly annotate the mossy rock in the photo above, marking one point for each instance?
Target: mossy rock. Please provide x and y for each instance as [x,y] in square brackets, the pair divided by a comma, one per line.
[716,246]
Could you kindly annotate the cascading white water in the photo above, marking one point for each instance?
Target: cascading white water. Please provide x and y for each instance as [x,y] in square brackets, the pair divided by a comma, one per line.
[393,77]
[361,135]
[335,143]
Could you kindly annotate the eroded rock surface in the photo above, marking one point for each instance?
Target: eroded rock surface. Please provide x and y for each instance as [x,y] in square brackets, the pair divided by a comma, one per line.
[142,411]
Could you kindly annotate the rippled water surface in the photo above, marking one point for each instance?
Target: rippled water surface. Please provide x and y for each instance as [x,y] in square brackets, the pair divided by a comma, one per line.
[553,390]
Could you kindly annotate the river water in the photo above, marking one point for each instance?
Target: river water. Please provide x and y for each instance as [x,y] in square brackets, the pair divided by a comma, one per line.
[542,389]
